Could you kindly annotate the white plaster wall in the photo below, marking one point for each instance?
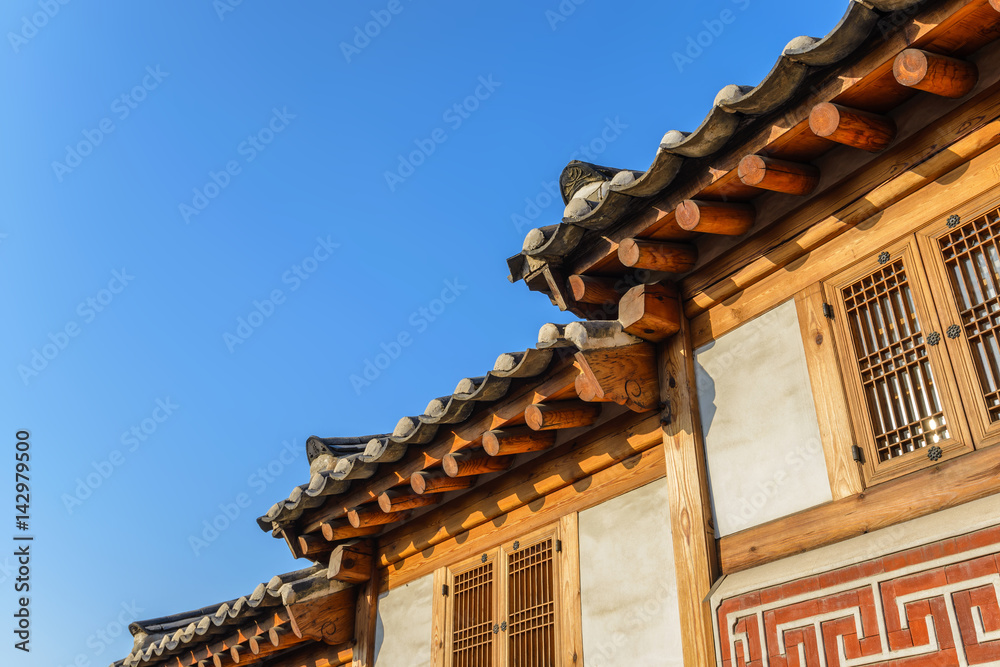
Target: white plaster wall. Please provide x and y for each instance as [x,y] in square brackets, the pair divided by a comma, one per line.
[762,442]
[403,626]
[629,598]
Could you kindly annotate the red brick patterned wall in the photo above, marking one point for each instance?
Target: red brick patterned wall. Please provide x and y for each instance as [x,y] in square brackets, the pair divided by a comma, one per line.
[933,605]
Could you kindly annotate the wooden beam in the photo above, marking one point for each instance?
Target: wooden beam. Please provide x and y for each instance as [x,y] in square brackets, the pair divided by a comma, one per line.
[948,484]
[517,441]
[851,127]
[620,478]
[564,465]
[965,167]
[313,546]
[934,73]
[329,619]
[272,641]
[470,463]
[334,531]
[400,501]
[509,411]
[588,289]
[930,28]
[657,255]
[922,158]
[713,217]
[241,654]
[316,654]
[366,517]
[695,557]
[351,562]
[832,410]
[651,312]
[437,481]
[624,375]
[291,539]
[563,414]
[768,173]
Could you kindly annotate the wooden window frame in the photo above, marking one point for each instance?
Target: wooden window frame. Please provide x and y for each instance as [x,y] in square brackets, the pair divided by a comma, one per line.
[984,432]
[566,594]
[959,441]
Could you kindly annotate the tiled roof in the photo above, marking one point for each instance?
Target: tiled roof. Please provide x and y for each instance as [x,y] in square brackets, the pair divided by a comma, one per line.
[597,198]
[156,640]
[335,462]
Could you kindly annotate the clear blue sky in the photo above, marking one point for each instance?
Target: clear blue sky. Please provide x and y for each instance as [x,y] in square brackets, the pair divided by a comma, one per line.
[126,281]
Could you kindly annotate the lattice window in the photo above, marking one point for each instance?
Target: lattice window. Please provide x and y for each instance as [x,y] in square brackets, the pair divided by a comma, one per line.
[502,608]
[472,617]
[971,254]
[891,355]
[531,618]
[899,378]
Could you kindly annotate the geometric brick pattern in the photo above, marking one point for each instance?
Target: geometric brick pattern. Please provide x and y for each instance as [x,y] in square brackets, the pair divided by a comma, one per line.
[934,605]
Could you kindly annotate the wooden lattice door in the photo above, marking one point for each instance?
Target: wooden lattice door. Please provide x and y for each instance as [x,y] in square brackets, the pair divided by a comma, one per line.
[503,606]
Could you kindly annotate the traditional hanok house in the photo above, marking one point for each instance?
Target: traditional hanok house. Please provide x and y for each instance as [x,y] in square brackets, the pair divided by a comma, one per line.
[769,439]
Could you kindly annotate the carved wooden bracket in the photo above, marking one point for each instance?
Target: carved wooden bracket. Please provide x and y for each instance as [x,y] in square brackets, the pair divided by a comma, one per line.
[624,375]
[329,619]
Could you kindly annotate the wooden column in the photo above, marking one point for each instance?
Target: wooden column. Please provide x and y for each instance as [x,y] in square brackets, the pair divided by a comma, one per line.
[767,173]
[933,73]
[366,619]
[860,129]
[695,553]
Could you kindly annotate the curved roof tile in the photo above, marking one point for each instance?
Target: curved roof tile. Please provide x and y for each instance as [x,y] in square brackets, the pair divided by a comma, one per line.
[734,107]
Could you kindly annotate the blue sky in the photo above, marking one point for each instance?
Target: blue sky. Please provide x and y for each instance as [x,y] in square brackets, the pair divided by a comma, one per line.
[217,214]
